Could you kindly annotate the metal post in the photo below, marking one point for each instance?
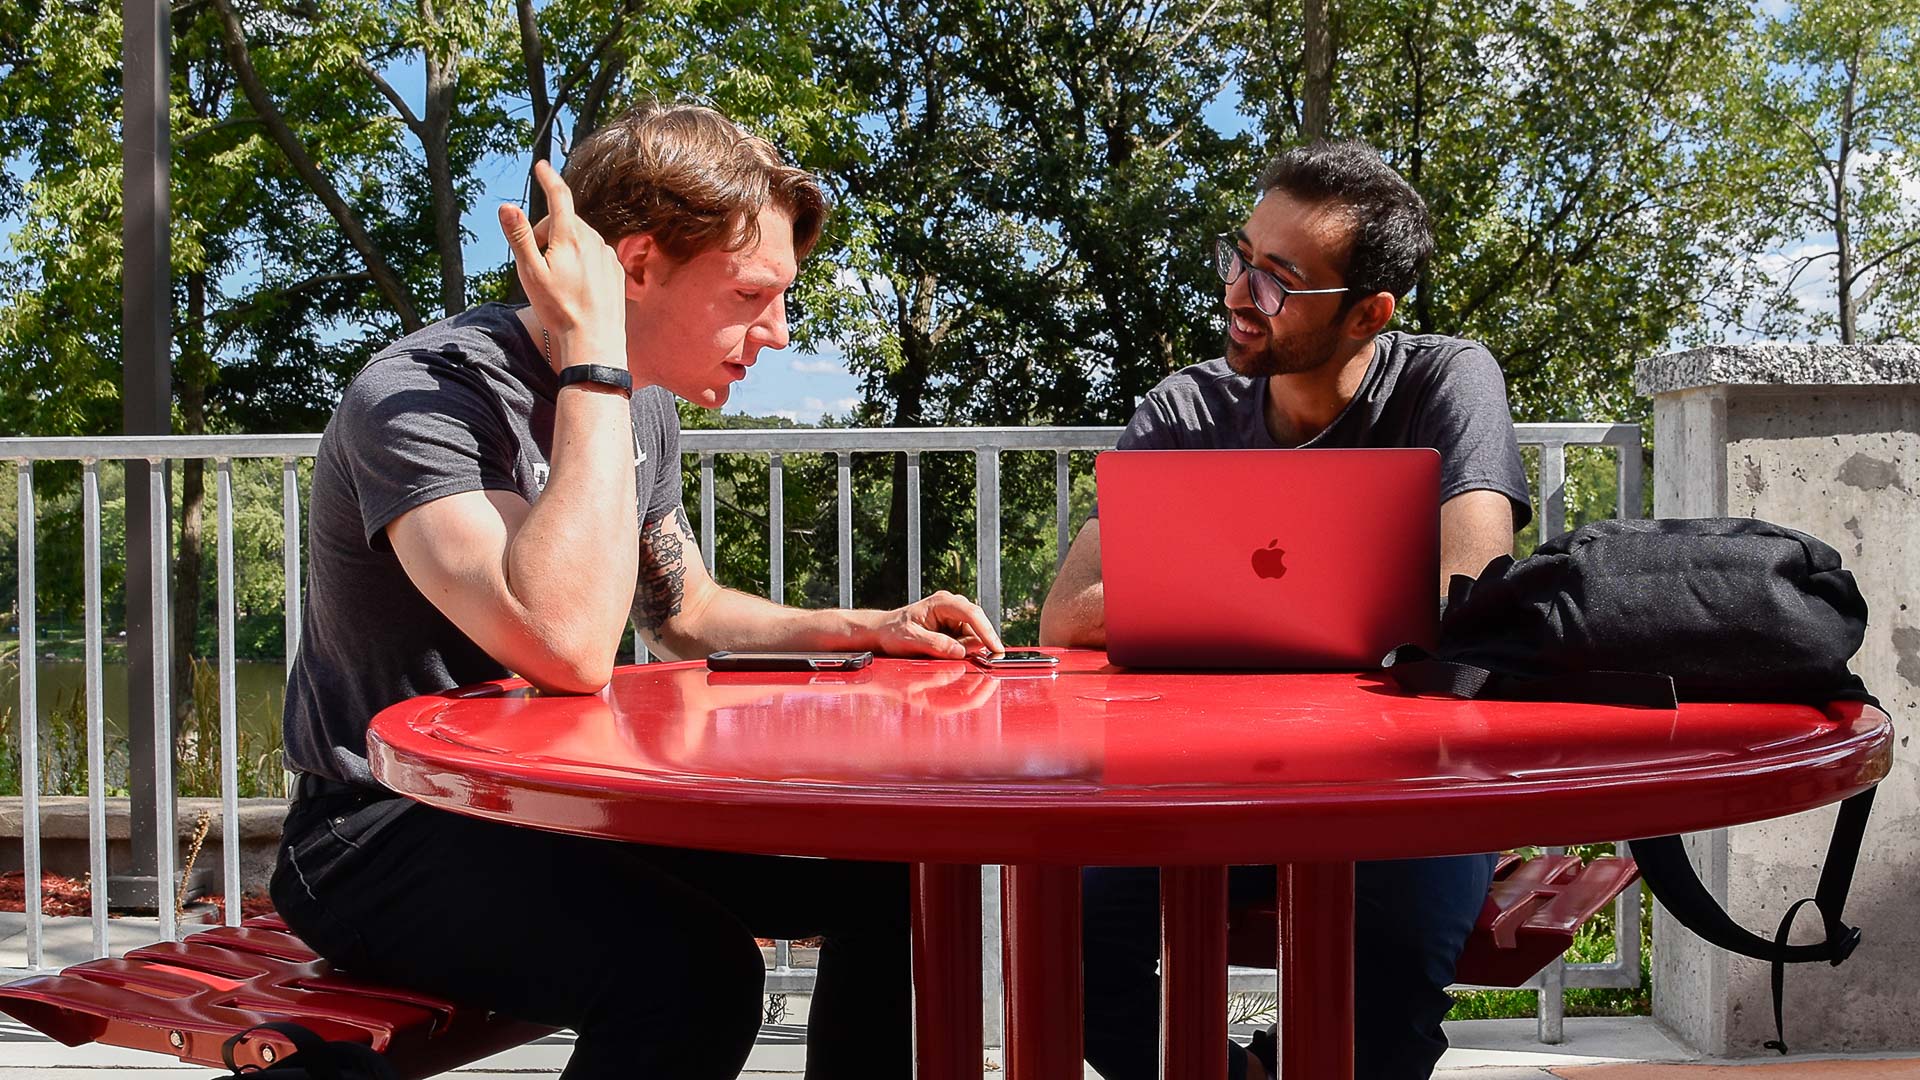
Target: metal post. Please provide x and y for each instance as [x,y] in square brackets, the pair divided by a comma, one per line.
[96,714]
[165,842]
[29,655]
[229,703]
[776,530]
[146,387]
[844,461]
[913,553]
[986,527]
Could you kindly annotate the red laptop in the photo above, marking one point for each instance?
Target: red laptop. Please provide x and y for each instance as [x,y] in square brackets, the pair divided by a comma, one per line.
[1323,559]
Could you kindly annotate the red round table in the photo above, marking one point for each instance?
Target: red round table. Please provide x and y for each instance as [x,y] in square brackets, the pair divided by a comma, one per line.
[949,767]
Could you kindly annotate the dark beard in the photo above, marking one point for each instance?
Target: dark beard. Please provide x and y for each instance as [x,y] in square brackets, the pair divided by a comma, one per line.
[1279,357]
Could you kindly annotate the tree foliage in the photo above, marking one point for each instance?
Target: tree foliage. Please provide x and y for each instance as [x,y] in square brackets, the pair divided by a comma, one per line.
[1828,115]
[1025,195]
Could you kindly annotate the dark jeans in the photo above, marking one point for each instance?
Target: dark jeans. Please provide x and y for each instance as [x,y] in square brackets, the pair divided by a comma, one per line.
[646,953]
[1411,918]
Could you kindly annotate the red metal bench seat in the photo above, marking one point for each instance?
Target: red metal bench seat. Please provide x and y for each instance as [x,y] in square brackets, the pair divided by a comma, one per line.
[1530,916]
[186,998]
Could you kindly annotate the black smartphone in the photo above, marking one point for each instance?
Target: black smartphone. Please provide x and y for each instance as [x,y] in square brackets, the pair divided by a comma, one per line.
[788,661]
[1015,658]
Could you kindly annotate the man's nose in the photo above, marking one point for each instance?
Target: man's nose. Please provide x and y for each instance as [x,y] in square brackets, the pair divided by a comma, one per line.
[1240,292]
[773,325]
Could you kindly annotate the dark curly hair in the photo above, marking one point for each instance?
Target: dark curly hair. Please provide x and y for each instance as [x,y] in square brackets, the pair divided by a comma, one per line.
[1391,232]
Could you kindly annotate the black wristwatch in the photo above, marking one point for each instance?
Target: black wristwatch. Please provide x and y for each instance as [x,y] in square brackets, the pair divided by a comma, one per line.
[618,378]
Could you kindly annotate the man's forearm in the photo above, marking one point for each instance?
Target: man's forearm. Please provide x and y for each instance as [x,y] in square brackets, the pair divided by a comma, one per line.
[573,560]
[683,614]
[727,619]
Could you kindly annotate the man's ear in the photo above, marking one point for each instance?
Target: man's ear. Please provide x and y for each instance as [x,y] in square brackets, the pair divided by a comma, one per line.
[645,263]
[1370,316]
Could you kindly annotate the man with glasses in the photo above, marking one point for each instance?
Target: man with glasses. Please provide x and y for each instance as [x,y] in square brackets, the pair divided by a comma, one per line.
[1312,279]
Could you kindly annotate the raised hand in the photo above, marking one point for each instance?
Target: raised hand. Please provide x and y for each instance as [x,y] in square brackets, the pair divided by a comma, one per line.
[576,284]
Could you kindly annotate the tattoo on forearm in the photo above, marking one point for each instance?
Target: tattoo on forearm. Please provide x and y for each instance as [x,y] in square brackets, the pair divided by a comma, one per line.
[663,571]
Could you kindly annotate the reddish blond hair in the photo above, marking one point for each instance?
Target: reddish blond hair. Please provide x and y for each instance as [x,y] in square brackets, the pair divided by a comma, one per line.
[690,178]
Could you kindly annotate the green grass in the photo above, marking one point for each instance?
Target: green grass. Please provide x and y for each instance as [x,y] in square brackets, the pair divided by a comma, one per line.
[63,749]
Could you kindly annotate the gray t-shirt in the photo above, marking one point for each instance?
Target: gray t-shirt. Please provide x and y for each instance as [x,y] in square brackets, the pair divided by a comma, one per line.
[466,404]
[1421,390]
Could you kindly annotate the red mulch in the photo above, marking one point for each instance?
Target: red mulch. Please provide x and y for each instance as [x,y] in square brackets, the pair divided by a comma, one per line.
[58,895]
[72,896]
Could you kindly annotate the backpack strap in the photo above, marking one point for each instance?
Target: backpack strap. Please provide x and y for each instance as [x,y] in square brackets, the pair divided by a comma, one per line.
[305,1043]
[1670,875]
[1418,672]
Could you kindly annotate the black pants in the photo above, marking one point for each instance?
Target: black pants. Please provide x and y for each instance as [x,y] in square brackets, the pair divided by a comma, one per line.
[1411,918]
[646,953]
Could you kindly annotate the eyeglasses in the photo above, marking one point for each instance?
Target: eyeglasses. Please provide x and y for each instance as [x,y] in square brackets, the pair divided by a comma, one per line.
[1269,295]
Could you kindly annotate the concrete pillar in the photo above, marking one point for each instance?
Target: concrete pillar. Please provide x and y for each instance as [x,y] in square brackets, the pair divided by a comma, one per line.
[1825,439]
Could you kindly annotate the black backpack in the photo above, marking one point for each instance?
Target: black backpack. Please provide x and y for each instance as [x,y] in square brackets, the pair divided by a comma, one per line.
[314,1058]
[1639,612]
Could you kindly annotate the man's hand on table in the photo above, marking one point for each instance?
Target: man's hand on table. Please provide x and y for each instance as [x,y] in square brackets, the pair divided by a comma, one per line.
[943,626]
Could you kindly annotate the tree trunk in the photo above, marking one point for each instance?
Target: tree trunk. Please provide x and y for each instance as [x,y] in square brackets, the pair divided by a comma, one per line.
[443,84]
[384,277]
[1842,211]
[1416,165]
[908,388]
[533,60]
[1317,68]
[190,380]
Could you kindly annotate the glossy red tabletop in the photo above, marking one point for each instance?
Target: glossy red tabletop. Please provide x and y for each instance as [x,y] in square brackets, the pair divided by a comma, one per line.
[938,761]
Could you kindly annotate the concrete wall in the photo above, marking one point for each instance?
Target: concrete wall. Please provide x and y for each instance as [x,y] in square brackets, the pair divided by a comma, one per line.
[63,838]
[1825,439]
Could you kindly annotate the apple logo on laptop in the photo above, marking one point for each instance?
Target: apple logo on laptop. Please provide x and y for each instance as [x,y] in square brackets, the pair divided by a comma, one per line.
[1270,561]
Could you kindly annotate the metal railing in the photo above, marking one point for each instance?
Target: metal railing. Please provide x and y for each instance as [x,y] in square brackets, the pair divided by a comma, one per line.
[985,444]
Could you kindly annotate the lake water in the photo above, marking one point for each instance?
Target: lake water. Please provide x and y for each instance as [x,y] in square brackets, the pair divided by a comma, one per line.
[61,683]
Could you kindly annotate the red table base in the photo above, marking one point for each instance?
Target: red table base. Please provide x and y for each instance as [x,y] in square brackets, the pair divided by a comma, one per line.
[1193,972]
[1040,913]
[1316,971]
[946,972]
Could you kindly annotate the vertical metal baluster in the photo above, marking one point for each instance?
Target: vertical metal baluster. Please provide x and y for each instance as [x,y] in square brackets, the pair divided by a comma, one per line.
[776,530]
[1550,1016]
[165,827]
[993,981]
[96,712]
[1553,490]
[986,525]
[1626,928]
[29,663]
[706,514]
[846,527]
[290,551]
[229,701]
[914,591]
[1629,468]
[1062,489]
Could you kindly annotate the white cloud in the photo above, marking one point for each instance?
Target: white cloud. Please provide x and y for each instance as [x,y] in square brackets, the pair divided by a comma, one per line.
[813,405]
[787,414]
[818,367]
[846,404]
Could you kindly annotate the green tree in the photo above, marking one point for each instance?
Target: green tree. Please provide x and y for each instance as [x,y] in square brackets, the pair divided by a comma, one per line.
[1828,118]
[1562,149]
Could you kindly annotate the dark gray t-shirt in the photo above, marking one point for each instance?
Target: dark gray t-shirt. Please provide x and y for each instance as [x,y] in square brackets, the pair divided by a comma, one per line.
[466,404]
[1421,390]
